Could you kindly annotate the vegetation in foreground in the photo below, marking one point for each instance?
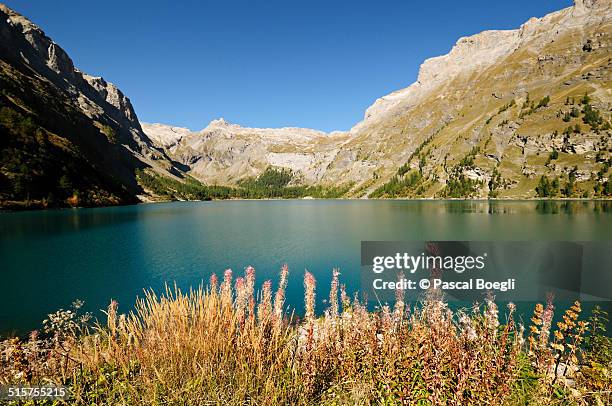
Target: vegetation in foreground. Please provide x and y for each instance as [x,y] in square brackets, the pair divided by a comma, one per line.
[228,344]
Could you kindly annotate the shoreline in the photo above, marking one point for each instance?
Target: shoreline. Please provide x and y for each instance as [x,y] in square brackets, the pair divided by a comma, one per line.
[13,207]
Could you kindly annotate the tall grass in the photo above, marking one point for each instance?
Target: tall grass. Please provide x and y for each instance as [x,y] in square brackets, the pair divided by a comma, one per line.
[228,343]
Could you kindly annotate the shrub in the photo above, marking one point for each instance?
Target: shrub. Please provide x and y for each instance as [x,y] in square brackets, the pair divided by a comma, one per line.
[543,102]
[585,99]
[547,188]
[570,188]
[592,117]
[506,106]
[459,186]
[495,183]
[553,155]
[567,117]
[397,186]
[574,112]
[110,134]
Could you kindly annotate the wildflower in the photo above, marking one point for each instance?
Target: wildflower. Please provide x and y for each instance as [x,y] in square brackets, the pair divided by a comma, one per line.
[466,326]
[279,298]
[491,315]
[399,300]
[241,298]
[344,298]
[387,321]
[77,304]
[547,316]
[333,294]
[213,282]
[122,322]
[227,277]
[309,299]
[250,290]
[520,335]
[537,314]
[558,347]
[226,289]
[112,317]
[249,281]
[265,304]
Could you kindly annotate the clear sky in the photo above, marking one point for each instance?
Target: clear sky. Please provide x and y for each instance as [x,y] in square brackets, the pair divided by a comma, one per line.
[267,63]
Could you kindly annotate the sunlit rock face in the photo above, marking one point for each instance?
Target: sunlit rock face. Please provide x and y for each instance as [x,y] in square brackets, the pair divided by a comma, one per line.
[456,105]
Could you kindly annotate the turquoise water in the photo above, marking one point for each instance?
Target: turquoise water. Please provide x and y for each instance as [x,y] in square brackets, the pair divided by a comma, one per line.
[50,258]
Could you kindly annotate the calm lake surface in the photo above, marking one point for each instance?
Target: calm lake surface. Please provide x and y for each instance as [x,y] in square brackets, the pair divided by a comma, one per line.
[50,258]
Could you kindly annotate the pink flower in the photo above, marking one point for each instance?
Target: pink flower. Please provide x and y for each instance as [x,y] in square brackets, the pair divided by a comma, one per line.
[265,304]
[250,290]
[333,294]
[279,298]
[213,282]
[309,299]
[226,288]
[227,276]
[241,298]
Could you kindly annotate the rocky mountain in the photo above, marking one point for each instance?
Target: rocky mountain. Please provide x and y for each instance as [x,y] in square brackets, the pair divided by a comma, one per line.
[503,114]
[512,114]
[65,136]
[224,153]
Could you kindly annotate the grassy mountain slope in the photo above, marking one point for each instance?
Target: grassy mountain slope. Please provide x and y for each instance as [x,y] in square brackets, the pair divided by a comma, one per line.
[491,132]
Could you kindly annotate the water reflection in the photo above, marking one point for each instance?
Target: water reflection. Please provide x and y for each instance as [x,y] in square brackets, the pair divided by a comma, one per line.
[573,206]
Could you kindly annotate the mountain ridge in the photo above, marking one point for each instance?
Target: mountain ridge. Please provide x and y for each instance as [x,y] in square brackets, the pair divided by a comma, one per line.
[361,155]
[506,113]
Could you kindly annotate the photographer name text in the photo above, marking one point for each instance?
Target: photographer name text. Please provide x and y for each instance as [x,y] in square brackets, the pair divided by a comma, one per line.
[435,283]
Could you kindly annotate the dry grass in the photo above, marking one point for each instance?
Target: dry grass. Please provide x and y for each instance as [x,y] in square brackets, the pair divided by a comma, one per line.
[230,344]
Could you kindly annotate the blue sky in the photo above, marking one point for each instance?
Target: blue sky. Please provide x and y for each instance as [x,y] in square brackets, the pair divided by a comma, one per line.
[316,63]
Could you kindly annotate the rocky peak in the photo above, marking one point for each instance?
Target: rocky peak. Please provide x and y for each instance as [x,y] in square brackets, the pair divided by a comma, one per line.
[23,42]
[220,123]
[113,96]
[472,54]
[43,48]
[163,135]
